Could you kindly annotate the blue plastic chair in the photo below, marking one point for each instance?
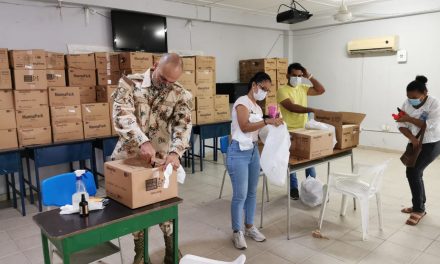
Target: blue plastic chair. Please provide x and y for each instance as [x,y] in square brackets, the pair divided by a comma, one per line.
[57,191]
[224,144]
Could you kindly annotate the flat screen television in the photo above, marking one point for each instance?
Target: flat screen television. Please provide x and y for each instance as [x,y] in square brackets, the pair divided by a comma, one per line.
[133,31]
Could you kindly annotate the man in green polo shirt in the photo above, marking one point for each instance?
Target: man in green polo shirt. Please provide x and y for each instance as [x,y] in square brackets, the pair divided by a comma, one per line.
[292,99]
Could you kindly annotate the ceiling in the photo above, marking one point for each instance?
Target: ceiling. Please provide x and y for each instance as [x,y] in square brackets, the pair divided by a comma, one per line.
[270,8]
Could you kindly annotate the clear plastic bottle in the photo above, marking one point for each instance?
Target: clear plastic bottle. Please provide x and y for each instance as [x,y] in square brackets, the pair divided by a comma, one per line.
[80,189]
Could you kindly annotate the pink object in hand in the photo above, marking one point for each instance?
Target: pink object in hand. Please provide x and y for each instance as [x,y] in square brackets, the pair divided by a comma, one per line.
[272,111]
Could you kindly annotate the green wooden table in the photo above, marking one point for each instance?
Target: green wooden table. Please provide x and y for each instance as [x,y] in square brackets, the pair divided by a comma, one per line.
[71,233]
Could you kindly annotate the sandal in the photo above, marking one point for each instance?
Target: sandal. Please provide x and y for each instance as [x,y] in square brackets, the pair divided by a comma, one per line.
[407,210]
[415,218]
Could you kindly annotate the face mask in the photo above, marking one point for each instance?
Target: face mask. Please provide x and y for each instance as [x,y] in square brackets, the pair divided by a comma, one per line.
[294,81]
[415,102]
[260,95]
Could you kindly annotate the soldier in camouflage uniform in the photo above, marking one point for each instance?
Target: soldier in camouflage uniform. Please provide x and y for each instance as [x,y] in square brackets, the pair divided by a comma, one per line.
[152,115]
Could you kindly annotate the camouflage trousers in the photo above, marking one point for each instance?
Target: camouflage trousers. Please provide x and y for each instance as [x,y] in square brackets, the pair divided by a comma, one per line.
[166,227]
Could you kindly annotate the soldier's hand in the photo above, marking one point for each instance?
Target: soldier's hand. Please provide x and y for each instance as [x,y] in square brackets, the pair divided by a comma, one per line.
[173,159]
[147,152]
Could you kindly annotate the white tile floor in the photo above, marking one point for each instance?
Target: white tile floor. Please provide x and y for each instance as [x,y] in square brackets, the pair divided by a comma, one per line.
[205,225]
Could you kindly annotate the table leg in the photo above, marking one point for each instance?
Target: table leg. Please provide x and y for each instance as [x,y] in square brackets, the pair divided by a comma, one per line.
[14,193]
[8,191]
[31,191]
[203,148]
[192,155]
[201,151]
[37,180]
[352,170]
[22,190]
[288,204]
[45,249]
[215,148]
[66,258]
[146,254]
[176,240]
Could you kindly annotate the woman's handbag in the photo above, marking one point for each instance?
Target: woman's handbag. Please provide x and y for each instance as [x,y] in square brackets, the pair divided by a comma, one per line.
[409,157]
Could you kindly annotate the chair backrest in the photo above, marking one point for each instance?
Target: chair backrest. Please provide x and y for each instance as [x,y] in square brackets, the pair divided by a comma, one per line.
[191,259]
[372,174]
[58,190]
[224,144]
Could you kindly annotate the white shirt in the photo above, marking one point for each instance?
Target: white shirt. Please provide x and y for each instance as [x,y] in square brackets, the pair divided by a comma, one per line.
[432,109]
[255,115]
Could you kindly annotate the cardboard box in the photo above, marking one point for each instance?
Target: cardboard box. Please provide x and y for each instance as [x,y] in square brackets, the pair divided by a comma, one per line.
[107,61]
[205,62]
[204,76]
[104,93]
[263,65]
[281,77]
[135,60]
[62,114]
[189,63]
[347,126]
[34,136]
[27,59]
[221,101]
[156,58]
[282,64]
[55,61]
[67,131]
[30,99]
[4,60]
[98,128]
[222,114]
[6,99]
[79,77]
[30,80]
[7,119]
[81,61]
[56,78]
[108,77]
[192,88]
[95,111]
[132,71]
[5,79]
[87,94]
[8,138]
[204,89]
[187,78]
[311,144]
[33,118]
[205,116]
[194,117]
[112,126]
[63,96]
[133,184]
[205,103]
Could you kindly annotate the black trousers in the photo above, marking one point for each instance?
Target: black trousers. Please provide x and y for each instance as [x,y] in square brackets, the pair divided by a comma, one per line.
[430,152]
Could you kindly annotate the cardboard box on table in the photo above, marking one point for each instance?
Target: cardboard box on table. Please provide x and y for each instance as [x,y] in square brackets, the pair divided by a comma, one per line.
[27,59]
[34,136]
[104,93]
[64,96]
[135,60]
[87,94]
[30,79]
[55,61]
[347,126]
[96,111]
[81,77]
[62,114]
[107,61]
[7,119]
[30,99]
[56,78]
[33,118]
[5,79]
[6,99]
[97,128]
[134,184]
[81,61]
[8,138]
[311,144]
[67,131]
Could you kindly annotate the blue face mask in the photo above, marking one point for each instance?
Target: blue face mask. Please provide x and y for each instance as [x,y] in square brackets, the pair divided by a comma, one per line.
[415,102]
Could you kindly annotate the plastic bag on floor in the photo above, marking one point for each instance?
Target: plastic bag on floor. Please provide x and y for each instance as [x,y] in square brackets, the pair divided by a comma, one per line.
[311,192]
[275,154]
[313,124]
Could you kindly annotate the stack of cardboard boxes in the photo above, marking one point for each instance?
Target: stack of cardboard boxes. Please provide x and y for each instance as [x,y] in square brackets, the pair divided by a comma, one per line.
[205,89]
[107,68]
[104,95]
[81,73]
[31,103]
[276,68]
[8,126]
[96,117]
[135,62]
[65,110]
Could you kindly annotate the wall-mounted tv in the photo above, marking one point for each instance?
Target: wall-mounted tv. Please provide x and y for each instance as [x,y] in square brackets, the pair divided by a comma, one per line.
[133,31]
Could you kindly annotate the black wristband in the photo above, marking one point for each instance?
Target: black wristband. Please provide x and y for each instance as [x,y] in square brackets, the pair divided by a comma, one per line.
[264,120]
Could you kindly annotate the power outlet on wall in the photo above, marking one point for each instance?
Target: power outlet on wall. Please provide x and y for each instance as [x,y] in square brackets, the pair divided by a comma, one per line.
[402,56]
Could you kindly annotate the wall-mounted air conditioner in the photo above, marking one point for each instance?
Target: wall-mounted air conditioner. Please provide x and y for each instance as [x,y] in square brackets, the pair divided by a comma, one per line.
[387,44]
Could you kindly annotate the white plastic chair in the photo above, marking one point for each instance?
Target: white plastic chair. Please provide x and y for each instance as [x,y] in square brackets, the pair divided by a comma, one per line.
[191,259]
[224,144]
[364,183]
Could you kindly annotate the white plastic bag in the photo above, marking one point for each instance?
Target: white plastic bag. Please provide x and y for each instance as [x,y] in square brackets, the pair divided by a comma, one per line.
[310,192]
[275,155]
[313,124]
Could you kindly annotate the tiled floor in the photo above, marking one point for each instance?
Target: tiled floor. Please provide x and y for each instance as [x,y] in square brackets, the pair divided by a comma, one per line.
[205,225]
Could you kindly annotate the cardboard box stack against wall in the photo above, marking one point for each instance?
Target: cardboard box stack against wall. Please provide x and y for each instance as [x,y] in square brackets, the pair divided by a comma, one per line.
[30,82]
[8,125]
[276,68]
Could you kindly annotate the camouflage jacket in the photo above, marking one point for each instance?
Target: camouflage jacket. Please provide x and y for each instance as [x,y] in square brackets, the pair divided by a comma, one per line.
[142,112]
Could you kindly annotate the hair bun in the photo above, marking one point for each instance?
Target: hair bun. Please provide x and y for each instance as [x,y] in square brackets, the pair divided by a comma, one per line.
[422,79]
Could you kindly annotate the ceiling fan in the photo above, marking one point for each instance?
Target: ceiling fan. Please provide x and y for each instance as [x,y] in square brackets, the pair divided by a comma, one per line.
[343,13]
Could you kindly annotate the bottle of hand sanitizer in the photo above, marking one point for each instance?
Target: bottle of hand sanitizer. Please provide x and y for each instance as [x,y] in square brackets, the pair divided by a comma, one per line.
[80,189]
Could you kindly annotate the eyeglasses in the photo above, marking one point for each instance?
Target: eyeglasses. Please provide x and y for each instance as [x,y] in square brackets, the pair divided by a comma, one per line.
[262,87]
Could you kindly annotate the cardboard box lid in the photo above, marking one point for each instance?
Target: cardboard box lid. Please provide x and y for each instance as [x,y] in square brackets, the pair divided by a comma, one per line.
[339,118]
[132,165]
[309,132]
[352,118]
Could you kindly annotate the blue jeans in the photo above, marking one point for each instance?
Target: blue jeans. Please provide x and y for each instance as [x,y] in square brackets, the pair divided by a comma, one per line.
[294,180]
[244,170]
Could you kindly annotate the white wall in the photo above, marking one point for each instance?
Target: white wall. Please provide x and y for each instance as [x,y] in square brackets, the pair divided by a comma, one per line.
[32,25]
[375,85]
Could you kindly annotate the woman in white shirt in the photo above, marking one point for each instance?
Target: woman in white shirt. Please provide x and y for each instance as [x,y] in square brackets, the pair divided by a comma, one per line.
[243,158]
[421,110]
